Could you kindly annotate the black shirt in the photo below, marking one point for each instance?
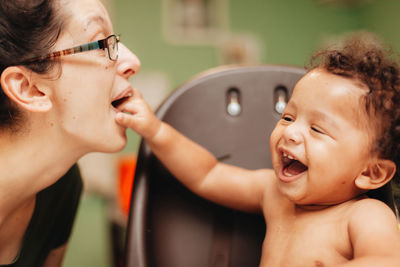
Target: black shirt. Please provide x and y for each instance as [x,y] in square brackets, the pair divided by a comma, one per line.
[52,220]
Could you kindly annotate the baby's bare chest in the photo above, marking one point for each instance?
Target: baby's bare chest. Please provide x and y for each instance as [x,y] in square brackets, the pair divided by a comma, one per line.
[306,241]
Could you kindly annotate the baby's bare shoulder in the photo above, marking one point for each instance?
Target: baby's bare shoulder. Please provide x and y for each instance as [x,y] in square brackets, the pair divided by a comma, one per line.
[272,198]
[371,215]
[268,180]
[373,229]
[370,207]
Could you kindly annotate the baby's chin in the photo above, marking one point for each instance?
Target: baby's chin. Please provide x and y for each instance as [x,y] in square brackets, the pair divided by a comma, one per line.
[293,193]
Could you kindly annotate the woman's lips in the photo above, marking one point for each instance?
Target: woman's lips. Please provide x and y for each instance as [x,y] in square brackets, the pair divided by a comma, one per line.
[121,97]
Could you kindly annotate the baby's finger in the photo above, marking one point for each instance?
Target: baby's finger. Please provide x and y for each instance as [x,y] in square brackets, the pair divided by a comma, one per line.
[129,106]
[126,120]
[133,104]
[137,93]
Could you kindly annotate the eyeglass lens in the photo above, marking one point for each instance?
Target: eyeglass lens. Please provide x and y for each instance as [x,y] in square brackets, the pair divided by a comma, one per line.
[112,45]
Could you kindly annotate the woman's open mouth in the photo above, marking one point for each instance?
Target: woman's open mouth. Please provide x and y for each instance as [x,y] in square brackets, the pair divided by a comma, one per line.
[118,102]
[291,168]
[120,99]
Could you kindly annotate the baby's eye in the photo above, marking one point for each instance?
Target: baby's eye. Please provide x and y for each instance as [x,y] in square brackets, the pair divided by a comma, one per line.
[317,130]
[287,118]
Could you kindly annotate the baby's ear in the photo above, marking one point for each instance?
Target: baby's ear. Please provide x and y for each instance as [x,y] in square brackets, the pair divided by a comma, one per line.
[18,85]
[376,174]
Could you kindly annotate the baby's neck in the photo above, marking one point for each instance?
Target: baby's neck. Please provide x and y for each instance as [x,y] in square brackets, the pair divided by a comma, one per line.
[315,207]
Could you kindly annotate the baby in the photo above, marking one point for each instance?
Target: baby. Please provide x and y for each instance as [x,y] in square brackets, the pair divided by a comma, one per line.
[338,138]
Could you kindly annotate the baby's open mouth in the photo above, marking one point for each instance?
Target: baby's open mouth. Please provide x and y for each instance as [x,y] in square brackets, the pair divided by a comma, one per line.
[292,166]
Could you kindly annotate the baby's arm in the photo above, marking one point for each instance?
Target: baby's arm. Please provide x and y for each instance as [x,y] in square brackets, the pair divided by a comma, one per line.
[374,235]
[193,165]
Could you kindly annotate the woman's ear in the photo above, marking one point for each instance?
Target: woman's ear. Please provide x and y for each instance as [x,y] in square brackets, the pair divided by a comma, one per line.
[18,85]
[376,174]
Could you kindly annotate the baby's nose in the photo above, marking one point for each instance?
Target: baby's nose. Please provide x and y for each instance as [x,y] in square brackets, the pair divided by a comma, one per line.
[293,134]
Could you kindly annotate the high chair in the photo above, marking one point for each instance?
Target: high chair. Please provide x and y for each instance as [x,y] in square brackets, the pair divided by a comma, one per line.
[231,111]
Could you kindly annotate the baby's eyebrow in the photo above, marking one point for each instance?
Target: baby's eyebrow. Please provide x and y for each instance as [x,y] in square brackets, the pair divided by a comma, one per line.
[319,115]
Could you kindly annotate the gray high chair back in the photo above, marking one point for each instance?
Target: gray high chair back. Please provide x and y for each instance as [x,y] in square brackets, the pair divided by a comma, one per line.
[230,111]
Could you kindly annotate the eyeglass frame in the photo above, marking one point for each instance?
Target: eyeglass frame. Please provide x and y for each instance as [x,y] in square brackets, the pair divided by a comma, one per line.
[99,44]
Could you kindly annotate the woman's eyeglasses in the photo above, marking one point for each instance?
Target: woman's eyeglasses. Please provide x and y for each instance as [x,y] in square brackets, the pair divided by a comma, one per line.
[109,44]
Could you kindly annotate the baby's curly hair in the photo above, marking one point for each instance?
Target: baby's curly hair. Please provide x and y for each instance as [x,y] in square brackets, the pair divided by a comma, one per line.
[364,58]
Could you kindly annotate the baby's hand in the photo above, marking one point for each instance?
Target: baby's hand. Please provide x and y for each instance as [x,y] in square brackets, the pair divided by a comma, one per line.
[141,118]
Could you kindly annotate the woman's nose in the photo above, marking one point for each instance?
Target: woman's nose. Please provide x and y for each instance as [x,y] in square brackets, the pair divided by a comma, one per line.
[128,63]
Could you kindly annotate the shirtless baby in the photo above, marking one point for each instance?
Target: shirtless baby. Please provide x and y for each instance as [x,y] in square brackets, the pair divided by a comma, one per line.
[338,138]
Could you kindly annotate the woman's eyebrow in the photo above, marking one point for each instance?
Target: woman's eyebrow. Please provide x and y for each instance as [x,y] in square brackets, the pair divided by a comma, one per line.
[99,20]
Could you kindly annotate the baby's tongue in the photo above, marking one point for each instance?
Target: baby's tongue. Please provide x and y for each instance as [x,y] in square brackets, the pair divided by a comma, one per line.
[294,168]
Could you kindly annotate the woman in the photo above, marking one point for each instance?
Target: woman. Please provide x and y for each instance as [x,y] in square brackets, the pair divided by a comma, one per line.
[54,108]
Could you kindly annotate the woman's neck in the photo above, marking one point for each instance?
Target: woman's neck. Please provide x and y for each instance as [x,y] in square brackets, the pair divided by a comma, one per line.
[30,162]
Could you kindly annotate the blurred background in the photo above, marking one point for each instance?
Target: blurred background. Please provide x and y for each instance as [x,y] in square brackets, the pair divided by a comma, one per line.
[177,39]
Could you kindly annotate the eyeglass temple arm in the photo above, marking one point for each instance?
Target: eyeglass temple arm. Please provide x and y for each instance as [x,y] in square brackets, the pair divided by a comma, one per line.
[101,44]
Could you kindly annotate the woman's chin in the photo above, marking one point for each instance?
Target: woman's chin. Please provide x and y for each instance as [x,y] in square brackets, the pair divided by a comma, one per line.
[120,140]
[119,147]
[114,145]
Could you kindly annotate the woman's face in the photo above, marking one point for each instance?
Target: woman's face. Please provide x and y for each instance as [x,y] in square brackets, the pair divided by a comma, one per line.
[90,82]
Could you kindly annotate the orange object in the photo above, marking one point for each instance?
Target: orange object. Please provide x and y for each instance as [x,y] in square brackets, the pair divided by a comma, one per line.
[126,173]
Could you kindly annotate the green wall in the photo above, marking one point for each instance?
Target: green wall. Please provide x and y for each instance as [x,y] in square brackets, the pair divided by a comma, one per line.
[288,29]
[291,29]
[383,17]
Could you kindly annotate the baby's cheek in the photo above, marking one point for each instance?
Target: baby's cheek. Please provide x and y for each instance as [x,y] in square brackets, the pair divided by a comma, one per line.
[273,139]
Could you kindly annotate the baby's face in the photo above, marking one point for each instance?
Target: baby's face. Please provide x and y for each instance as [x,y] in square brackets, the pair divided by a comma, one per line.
[321,144]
